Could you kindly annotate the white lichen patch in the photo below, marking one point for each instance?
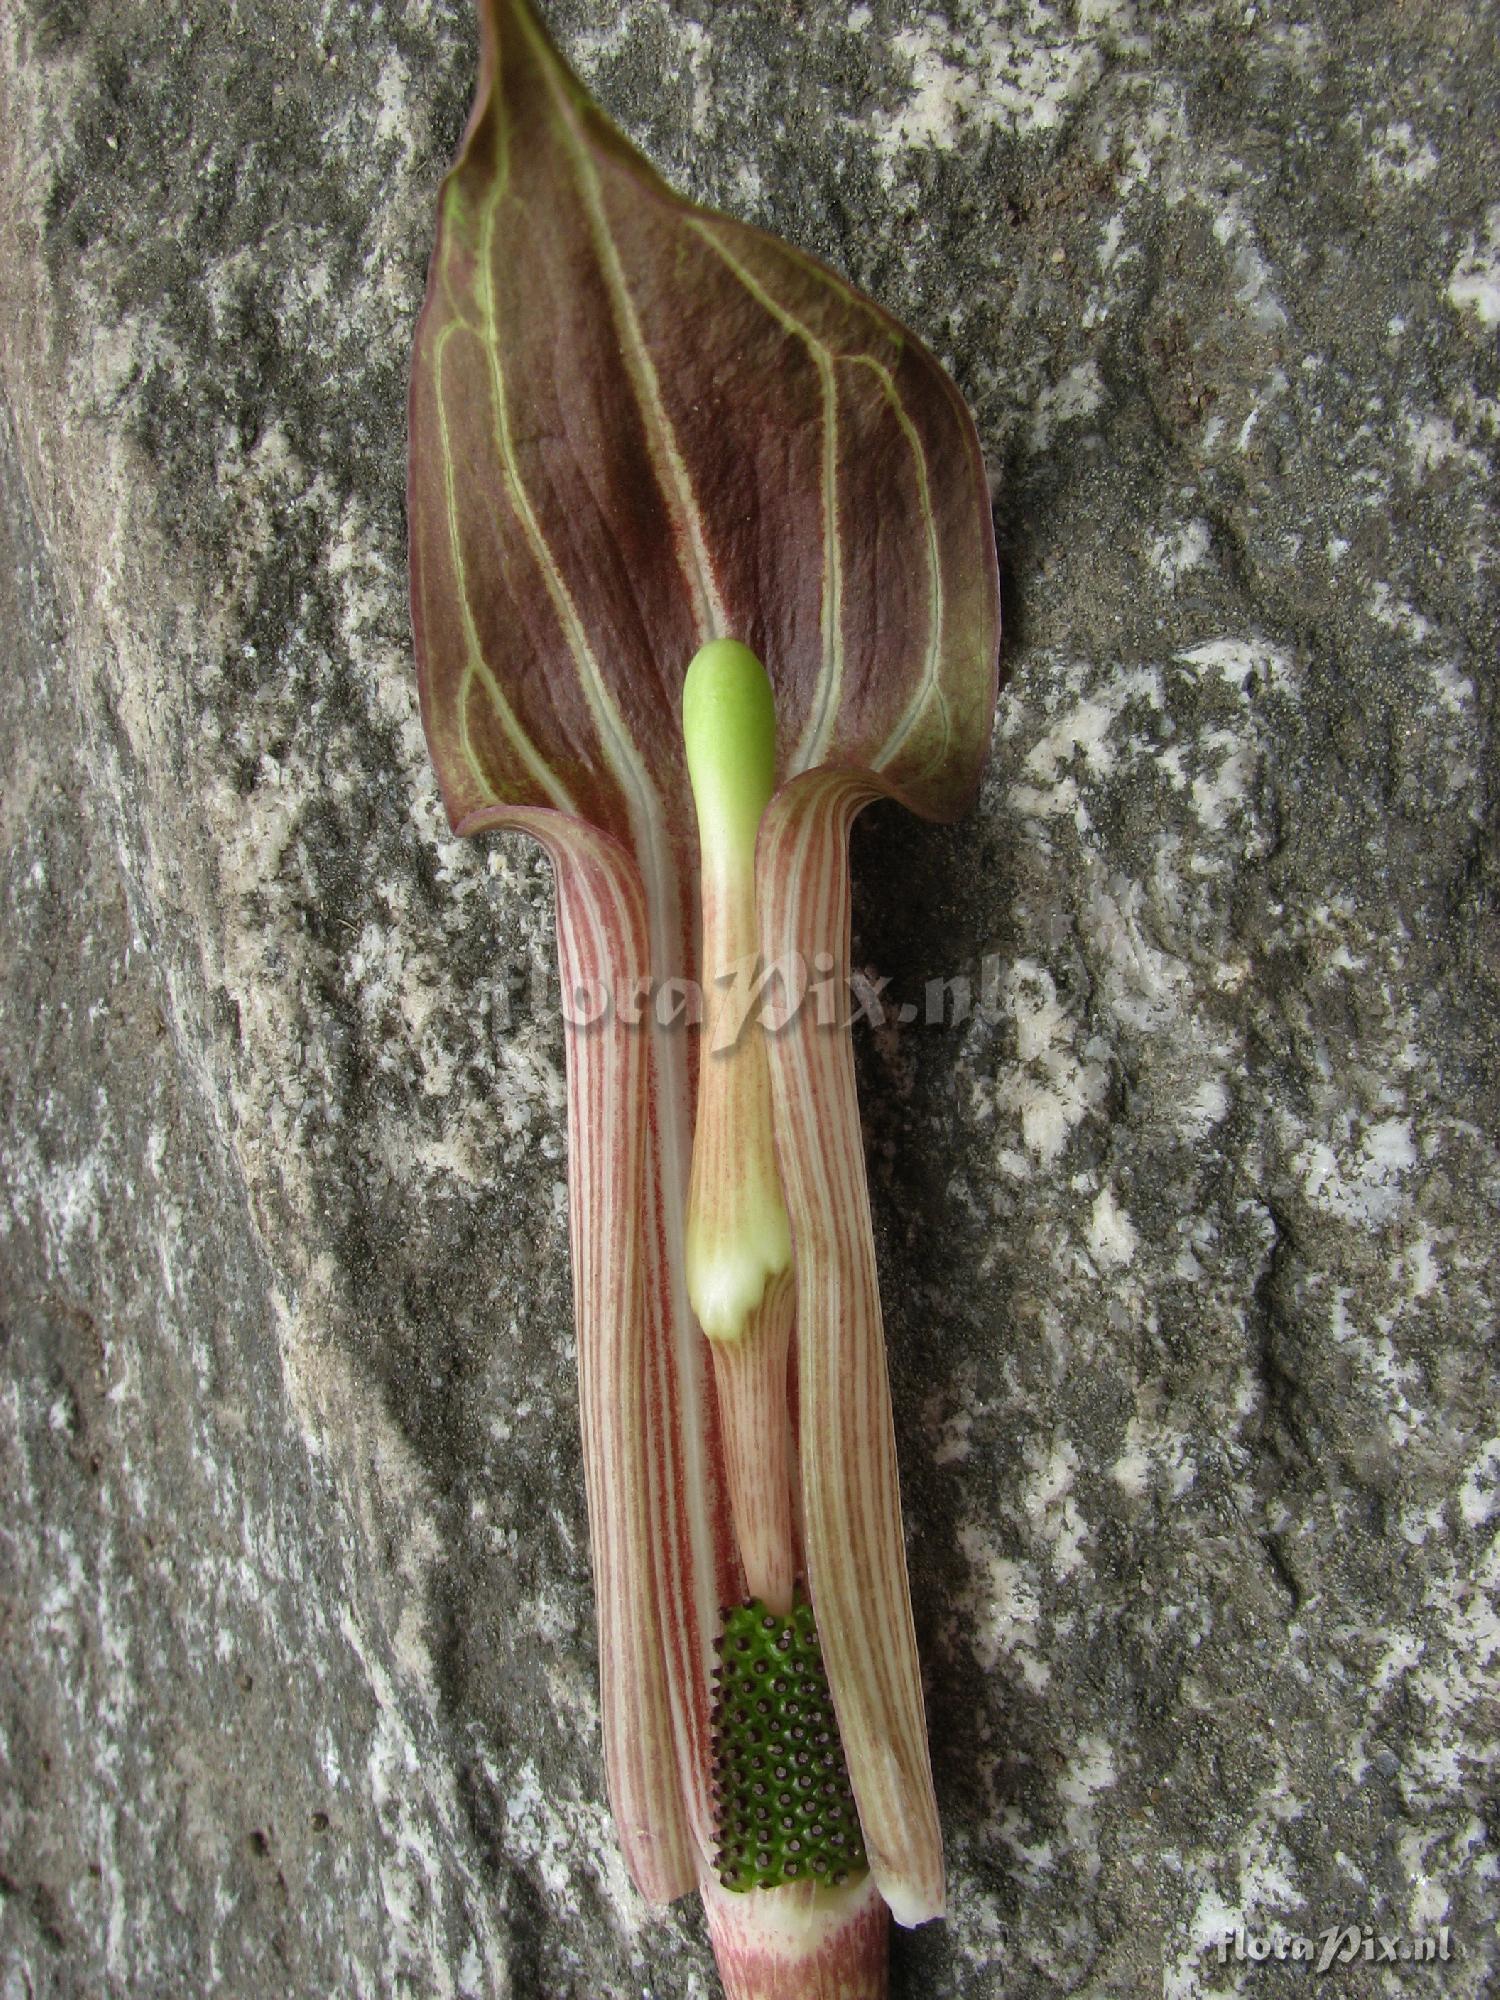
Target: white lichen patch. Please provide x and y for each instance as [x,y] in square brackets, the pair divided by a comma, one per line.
[1250,1884]
[392,103]
[1131,1472]
[1479,1495]
[414,1798]
[1050,1508]
[1395,1383]
[1023,72]
[564,1841]
[1218,793]
[1090,1772]
[682,53]
[1434,446]
[1078,394]
[1454,691]
[1359,1178]
[1384,607]
[1111,1234]
[953,1443]
[1397,158]
[1054,1084]
[1173,554]
[1083,726]
[64,1199]
[1154,957]
[1230,755]
[1253,278]
[1252,667]
[1474,284]
[1002,1609]
[1140,987]
[1154,1456]
[1206,1105]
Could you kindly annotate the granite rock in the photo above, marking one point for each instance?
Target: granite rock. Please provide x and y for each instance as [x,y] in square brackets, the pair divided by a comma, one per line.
[1187,1228]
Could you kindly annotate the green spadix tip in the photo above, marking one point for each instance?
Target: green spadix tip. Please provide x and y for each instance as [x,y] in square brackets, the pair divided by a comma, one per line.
[783,1811]
[729,731]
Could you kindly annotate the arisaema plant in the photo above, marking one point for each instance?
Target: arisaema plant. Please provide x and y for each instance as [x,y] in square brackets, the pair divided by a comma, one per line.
[702,563]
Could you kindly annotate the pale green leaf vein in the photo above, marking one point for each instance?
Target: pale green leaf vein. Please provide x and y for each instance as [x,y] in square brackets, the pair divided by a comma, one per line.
[673,478]
[817,732]
[649,838]
[930,687]
[929,690]
[476,666]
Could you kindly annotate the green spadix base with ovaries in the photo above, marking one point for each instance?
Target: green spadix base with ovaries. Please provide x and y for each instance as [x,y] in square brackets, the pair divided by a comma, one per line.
[784,1811]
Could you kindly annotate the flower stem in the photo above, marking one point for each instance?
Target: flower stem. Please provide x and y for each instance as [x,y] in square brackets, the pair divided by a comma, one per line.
[739,1246]
[803,1942]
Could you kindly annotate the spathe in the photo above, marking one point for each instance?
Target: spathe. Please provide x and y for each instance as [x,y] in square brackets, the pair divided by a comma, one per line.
[637,426]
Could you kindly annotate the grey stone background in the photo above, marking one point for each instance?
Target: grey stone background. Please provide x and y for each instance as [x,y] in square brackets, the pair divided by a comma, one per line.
[1188,1249]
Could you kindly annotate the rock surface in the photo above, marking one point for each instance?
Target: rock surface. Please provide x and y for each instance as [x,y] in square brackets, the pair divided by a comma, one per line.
[1188,1237]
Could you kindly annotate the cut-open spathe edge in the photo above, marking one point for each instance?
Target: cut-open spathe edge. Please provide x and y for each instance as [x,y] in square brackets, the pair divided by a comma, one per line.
[662,1561]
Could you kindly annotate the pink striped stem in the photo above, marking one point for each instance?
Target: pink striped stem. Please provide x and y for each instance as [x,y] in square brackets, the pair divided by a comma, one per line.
[800,1942]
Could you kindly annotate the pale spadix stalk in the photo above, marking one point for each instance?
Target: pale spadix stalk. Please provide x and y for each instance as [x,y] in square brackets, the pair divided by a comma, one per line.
[638,427]
[739,1243]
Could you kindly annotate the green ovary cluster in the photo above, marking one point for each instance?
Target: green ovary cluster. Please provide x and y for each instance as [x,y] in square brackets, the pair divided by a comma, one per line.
[784,1811]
